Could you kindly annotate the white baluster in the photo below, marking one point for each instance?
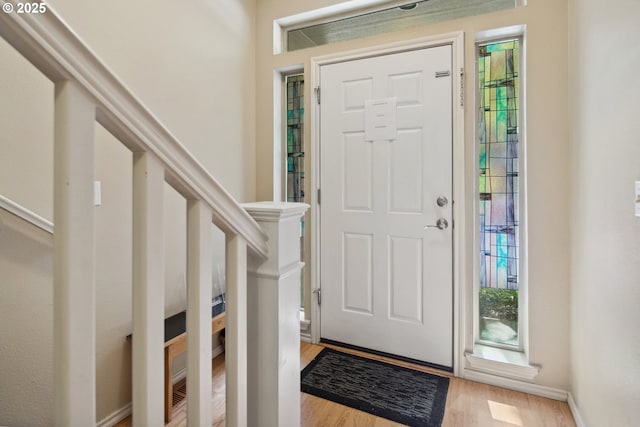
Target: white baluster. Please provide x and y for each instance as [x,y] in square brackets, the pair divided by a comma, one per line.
[148,291]
[199,272]
[236,332]
[74,259]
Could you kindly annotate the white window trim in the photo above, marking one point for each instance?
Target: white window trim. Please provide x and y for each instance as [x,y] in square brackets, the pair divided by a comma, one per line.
[280,156]
[322,15]
[279,127]
[504,361]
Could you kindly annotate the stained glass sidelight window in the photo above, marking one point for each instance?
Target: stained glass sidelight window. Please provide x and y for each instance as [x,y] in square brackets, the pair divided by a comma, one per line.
[499,210]
[295,152]
[295,131]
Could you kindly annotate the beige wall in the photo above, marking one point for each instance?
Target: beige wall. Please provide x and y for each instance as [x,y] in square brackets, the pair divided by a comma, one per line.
[26,270]
[193,65]
[26,140]
[605,243]
[26,314]
[547,152]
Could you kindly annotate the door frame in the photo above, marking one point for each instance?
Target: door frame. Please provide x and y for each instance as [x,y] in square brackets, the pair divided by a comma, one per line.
[456,40]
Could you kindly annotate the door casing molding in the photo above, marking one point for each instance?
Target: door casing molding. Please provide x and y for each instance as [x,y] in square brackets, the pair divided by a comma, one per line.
[456,40]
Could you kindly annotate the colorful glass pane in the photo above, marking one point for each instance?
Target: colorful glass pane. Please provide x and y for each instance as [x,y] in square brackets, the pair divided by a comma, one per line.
[295,152]
[498,163]
[498,186]
[295,131]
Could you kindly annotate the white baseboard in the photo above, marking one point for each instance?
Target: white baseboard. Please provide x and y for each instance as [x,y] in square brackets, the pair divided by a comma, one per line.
[525,387]
[575,412]
[116,417]
[125,411]
[305,338]
[305,330]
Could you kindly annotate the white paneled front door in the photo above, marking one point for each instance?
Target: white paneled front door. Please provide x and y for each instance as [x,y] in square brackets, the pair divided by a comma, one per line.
[386,280]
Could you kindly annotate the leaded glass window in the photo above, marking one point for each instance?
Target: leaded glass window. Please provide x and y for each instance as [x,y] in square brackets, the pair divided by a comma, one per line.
[499,195]
[295,132]
[295,153]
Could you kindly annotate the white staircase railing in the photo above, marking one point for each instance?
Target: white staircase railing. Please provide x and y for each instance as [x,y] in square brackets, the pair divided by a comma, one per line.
[86,91]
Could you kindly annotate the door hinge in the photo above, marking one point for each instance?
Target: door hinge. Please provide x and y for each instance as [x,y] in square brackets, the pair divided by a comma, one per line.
[317,92]
[318,196]
[462,87]
[318,293]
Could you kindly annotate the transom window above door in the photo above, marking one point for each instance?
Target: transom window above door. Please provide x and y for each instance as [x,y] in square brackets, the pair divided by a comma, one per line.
[392,16]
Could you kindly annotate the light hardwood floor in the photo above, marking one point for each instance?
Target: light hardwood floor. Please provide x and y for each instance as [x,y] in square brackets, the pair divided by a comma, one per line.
[468,404]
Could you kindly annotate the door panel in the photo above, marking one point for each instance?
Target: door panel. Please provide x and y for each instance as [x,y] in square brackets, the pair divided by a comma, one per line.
[358,268]
[386,279]
[358,173]
[405,172]
[405,286]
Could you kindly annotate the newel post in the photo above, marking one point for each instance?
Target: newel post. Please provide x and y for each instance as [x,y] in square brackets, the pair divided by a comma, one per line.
[273,305]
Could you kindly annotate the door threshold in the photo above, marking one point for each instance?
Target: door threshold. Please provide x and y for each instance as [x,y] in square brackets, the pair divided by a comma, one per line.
[340,345]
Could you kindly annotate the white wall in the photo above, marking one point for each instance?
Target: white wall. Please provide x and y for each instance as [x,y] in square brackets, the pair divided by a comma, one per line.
[547,153]
[192,64]
[605,235]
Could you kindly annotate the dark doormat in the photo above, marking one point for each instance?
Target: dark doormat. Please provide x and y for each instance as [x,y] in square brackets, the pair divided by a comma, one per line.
[393,392]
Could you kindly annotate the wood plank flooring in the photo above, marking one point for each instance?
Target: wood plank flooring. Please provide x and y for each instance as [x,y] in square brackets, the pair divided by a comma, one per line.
[469,404]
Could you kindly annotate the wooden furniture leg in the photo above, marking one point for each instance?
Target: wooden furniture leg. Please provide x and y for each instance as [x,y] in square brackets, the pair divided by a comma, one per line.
[168,384]
[173,348]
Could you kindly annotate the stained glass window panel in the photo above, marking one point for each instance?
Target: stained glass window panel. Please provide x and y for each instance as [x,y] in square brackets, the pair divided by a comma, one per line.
[498,187]
[295,152]
[295,132]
